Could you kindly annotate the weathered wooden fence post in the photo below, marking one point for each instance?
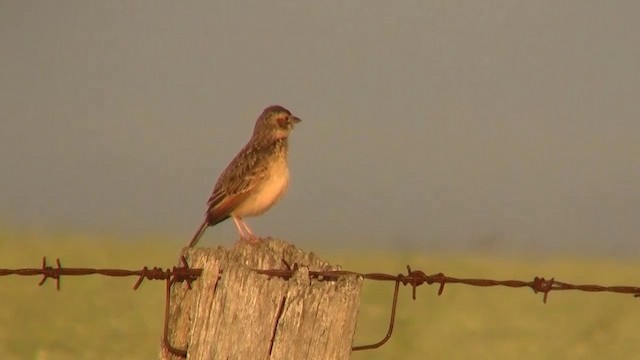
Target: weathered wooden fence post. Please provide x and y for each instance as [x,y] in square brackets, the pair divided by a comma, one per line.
[233,312]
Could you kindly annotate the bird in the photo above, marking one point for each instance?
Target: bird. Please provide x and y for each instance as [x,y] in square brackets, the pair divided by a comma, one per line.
[256,179]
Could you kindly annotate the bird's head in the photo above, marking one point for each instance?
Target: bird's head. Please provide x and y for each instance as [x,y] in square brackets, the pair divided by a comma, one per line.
[275,121]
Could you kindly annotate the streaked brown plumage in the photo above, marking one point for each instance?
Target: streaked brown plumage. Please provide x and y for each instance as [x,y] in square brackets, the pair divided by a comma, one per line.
[256,178]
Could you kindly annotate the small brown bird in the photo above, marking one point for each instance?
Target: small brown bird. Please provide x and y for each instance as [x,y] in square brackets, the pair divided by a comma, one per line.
[256,178]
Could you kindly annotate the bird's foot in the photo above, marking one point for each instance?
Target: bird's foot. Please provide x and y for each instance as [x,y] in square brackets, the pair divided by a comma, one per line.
[253,240]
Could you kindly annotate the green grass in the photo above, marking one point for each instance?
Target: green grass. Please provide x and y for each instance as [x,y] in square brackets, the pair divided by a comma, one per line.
[102,318]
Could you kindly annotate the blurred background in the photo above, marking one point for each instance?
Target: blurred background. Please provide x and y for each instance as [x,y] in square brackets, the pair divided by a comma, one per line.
[427,124]
[502,133]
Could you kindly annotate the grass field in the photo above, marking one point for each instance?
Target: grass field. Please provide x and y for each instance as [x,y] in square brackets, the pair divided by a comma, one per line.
[102,318]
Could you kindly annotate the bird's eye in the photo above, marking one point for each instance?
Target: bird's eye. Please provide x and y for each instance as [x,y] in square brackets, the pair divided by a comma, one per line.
[283,121]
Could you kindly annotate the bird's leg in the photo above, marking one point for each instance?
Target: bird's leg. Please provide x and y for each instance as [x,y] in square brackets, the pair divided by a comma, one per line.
[238,222]
[252,237]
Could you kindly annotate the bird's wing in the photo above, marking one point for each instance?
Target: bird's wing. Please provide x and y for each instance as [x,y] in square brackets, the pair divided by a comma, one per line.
[242,175]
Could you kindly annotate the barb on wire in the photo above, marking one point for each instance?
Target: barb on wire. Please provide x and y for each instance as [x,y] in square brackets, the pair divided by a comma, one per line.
[413,278]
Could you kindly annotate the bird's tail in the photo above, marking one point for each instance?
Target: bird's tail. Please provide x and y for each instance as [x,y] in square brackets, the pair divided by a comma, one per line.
[199,233]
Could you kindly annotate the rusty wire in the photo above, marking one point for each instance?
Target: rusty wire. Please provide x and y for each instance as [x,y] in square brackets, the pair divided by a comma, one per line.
[177,274]
[413,278]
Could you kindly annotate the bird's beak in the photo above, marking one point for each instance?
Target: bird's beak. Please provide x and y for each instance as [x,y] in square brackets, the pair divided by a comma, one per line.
[295,119]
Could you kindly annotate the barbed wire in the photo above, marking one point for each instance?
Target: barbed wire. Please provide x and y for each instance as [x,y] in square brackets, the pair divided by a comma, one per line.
[176,274]
[413,278]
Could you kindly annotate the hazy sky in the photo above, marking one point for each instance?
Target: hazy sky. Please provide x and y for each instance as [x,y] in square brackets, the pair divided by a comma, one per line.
[426,124]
